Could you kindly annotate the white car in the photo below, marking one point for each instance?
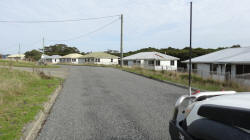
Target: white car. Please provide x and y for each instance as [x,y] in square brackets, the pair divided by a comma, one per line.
[221,115]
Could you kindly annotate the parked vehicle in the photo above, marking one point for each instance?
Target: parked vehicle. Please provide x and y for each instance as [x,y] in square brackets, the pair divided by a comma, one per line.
[221,115]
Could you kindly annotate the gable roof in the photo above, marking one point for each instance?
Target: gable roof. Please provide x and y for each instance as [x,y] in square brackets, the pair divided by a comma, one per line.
[99,55]
[16,55]
[225,56]
[72,55]
[150,56]
[50,57]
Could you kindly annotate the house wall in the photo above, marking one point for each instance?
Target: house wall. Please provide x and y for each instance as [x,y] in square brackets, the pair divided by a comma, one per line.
[203,70]
[130,63]
[69,60]
[15,58]
[56,60]
[75,62]
[103,61]
[233,70]
[107,61]
[164,64]
[220,73]
[52,60]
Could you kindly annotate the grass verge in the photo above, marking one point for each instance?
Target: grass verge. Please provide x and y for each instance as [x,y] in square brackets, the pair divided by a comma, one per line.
[182,78]
[22,95]
[24,64]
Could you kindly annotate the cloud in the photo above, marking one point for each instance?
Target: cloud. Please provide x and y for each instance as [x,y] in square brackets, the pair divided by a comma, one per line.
[158,23]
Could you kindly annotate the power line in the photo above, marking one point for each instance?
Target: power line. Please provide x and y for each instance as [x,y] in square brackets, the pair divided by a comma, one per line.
[60,20]
[94,31]
[77,37]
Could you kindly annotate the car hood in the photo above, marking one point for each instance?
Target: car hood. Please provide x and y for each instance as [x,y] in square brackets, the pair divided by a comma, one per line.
[240,100]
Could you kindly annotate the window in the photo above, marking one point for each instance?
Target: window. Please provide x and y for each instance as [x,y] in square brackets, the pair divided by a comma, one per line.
[97,60]
[172,62]
[125,63]
[213,68]
[194,66]
[134,61]
[111,60]
[151,62]
[158,62]
[241,69]
[73,60]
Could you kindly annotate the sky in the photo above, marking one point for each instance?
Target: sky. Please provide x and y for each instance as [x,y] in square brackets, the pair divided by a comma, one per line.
[147,23]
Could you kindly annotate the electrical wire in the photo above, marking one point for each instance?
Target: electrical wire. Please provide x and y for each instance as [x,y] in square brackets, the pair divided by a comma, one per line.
[49,21]
[94,31]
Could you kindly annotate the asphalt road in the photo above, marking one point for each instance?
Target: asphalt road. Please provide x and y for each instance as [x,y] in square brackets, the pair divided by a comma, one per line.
[108,104]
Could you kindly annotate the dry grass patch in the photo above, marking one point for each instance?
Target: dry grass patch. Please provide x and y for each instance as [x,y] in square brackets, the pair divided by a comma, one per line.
[19,63]
[22,95]
[182,78]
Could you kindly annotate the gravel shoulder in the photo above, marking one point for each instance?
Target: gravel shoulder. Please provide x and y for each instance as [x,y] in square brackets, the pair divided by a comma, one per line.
[106,103]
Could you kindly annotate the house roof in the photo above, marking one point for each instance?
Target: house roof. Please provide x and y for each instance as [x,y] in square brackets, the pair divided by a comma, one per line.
[50,57]
[99,55]
[225,56]
[150,55]
[16,55]
[72,55]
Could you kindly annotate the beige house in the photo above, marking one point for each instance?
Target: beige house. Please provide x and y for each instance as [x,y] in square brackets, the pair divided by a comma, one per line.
[16,57]
[71,58]
[99,58]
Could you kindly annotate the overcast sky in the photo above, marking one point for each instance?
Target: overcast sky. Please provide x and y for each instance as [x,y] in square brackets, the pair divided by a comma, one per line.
[155,23]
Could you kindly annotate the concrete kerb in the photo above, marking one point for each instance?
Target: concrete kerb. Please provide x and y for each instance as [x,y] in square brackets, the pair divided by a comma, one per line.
[31,130]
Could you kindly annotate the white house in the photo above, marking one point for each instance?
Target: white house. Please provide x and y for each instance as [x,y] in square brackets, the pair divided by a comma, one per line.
[16,57]
[71,58]
[226,63]
[99,58]
[51,59]
[152,60]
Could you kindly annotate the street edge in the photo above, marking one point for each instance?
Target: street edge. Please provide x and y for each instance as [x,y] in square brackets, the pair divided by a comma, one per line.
[32,129]
[164,81]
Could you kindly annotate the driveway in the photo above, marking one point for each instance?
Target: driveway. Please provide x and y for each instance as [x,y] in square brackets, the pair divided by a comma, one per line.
[104,103]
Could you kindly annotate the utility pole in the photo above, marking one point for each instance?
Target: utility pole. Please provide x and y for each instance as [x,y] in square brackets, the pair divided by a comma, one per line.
[190,53]
[121,49]
[43,46]
[19,49]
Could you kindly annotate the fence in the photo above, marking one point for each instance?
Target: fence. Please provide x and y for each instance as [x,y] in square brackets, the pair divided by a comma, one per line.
[226,76]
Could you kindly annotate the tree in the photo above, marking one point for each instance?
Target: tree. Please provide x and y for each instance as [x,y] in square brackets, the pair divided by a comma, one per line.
[236,46]
[33,55]
[60,49]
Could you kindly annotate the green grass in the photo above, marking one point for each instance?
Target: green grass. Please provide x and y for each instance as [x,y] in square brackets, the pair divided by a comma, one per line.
[182,78]
[24,64]
[22,95]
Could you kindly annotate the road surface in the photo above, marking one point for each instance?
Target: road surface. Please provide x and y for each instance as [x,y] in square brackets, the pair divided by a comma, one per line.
[109,104]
